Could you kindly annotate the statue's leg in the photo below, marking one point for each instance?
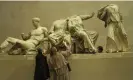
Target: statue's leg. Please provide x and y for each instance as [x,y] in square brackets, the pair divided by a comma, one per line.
[80,46]
[111,43]
[87,39]
[27,46]
[14,47]
[122,40]
[111,46]
[94,36]
[13,41]
[17,47]
[7,41]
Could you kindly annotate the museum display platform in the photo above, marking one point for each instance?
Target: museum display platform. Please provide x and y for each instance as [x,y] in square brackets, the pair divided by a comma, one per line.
[100,66]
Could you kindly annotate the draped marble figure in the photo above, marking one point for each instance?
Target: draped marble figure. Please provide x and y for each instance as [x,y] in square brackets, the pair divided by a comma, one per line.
[117,36]
[64,29]
[58,34]
[77,30]
[29,41]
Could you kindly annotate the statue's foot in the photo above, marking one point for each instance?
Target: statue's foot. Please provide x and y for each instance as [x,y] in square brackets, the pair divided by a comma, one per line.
[93,51]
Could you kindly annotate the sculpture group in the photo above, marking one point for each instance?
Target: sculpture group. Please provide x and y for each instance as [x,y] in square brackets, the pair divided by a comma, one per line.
[68,32]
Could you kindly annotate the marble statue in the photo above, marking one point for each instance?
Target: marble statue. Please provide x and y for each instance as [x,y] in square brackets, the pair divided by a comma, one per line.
[59,34]
[30,41]
[77,30]
[117,36]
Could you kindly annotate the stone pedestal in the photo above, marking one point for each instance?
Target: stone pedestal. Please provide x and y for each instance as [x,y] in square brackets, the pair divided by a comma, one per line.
[111,66]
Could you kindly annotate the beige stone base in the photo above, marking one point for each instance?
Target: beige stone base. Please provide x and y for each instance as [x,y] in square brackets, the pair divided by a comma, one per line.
[111,66]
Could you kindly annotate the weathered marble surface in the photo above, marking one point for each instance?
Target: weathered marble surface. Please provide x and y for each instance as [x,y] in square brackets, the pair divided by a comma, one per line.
[114,66]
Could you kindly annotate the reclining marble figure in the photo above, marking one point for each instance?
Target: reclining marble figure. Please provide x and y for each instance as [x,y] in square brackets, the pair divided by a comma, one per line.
[29,41]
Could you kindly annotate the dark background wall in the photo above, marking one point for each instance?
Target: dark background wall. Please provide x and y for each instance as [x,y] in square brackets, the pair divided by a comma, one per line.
[15,17]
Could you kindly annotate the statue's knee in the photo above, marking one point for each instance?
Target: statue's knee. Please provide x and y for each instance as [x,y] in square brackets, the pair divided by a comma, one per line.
[83,34]
[9,39]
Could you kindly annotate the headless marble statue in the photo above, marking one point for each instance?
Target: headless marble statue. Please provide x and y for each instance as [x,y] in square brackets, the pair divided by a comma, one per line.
[59,33]
[76,28]
[116,37]
[29,41]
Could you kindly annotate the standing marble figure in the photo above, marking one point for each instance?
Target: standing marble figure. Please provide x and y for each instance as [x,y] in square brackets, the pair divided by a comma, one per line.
[29,41]
[117,37]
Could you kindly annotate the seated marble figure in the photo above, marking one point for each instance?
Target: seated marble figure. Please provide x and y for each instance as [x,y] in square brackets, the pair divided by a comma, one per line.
[30,41]
[85,40]
[72,28]
[59,34]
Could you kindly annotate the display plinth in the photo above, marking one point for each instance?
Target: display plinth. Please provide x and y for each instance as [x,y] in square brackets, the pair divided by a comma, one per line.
[102,66]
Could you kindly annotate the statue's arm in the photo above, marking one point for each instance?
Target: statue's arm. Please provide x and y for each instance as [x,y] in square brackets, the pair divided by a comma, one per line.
[26,37]
[45,31]
[85,17]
